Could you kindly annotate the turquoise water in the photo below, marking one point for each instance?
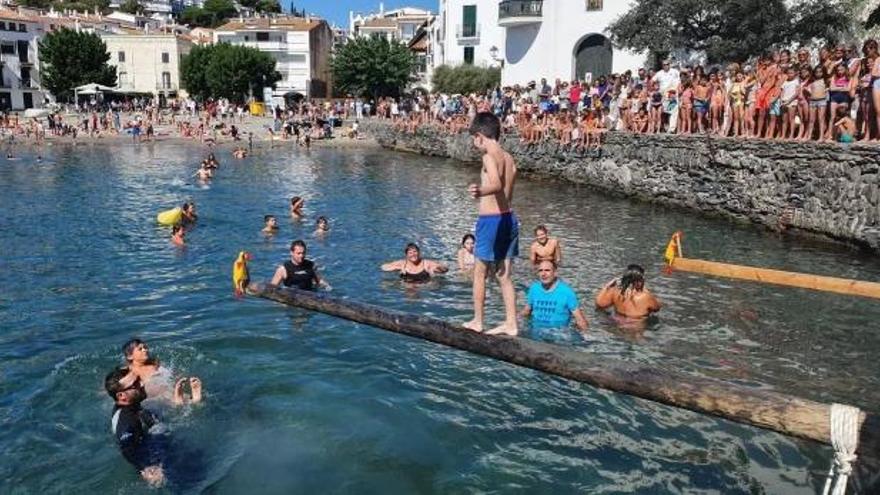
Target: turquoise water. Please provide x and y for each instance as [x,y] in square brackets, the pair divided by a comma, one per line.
[299,402]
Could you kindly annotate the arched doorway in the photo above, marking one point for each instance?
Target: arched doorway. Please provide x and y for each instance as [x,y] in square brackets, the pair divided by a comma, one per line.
[593,54]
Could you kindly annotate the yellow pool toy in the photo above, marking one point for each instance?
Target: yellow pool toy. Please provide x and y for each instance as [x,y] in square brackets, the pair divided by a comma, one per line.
[173,216]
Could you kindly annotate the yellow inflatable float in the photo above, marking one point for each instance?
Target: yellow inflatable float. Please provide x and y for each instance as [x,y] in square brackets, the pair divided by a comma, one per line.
[174,216]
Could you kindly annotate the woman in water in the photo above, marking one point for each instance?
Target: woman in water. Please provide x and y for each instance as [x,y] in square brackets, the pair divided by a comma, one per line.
[628,295]
[189,213]
[296,206]
[545,248]
[156,378]
[466,253]
[177,233]
[413,268]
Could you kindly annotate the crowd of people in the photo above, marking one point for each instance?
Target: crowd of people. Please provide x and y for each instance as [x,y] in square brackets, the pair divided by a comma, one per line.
[830,95]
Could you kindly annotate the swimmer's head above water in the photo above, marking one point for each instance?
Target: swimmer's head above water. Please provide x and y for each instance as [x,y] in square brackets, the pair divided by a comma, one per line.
[412,252]
[633,278]
[468,241]
[136,351]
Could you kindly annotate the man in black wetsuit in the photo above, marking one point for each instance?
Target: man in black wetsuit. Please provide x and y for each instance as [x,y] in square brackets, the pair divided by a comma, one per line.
[298,271]
[131,426]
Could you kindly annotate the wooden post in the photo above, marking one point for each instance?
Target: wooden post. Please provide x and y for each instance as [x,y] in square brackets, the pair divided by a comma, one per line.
[761,408]
[779,277]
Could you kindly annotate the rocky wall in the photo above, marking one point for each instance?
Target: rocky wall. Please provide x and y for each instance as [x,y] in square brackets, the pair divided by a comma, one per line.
[822,188]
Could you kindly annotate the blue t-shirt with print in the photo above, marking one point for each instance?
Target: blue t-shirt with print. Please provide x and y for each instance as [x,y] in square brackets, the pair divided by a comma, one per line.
[552,308]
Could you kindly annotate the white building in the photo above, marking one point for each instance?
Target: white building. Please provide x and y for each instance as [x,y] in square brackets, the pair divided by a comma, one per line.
[398,24]
[148,62]
[561,39]
[300,45]
[20,86]
[467,31]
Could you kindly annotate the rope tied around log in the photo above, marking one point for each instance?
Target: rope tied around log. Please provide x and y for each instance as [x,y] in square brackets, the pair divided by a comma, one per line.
[845,440]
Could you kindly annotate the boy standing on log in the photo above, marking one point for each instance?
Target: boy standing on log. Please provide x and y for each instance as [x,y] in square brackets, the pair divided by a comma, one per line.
[497,229]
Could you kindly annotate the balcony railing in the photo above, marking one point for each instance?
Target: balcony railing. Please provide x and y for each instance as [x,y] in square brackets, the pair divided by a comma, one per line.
[516,12]
[467,32]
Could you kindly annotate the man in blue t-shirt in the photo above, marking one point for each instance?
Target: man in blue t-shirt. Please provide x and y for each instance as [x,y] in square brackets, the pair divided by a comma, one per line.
[551,302]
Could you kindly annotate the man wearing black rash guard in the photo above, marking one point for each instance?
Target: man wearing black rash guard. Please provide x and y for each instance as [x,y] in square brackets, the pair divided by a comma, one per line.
[131,425]
[298,271]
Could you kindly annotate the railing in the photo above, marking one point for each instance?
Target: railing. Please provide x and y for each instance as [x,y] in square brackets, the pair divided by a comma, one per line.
[467,32]
[520,8]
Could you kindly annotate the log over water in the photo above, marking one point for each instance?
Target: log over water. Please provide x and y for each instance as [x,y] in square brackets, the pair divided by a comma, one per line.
[779,277]
[765,409]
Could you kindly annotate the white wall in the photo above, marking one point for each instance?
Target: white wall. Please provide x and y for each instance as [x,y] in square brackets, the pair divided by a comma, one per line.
[11,70]
[490,33]
[547,49]
[143,65]
[289,48]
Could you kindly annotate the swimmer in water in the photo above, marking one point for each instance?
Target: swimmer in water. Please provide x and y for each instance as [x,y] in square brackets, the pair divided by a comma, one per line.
[189,213]
[239,152]
[466,253]
[155,377]
[550,302]
[212,161]
[270,225]
[322,226]
[629,296]
[413,268]
[177,235]
[296,206]
[204,172]
[298,271]
[545,247]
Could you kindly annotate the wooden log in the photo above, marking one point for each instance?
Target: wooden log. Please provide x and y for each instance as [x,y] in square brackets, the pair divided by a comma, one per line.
[761,408]
[779,277]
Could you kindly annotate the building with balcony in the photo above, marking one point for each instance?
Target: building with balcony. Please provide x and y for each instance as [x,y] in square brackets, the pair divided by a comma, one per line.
[148,62]
[561,39]
[399,24]
[20,86]
[301,46]
[467,31]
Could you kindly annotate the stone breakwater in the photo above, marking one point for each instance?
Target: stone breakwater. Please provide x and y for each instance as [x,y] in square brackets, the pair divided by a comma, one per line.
[818,188]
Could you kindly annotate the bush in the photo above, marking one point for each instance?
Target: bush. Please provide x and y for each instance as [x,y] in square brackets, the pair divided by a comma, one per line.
[465,79]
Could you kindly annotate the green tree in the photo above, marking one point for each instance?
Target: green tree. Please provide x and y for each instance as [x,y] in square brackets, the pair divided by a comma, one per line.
[227,71]
[268,6]
[728,30]
[131,7]
[69,59]
[465,79]
[102,6]
[212,14]
[372,66]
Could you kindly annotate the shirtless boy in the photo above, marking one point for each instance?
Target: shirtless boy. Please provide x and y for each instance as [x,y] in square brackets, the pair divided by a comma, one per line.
[497,228]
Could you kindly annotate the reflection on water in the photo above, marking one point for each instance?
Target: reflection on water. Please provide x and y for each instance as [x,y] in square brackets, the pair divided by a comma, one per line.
[299,401]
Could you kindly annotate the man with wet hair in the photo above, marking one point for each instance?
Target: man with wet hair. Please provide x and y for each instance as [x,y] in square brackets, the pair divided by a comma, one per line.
[132,425]
[629,296]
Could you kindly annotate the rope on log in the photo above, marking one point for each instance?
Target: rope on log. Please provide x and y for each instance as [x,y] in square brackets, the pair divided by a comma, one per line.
[769,410]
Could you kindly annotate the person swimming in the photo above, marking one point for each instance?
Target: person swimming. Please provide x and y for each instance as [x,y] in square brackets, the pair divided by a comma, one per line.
[413,268]
[466,253]
[189,213]
[296,206]
[177,235]
[628,295]
[545,248]
[322,226]
[298,271]
[157,378]
[270,225]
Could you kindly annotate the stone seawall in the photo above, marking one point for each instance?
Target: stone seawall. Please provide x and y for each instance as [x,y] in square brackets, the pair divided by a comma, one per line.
[819,188]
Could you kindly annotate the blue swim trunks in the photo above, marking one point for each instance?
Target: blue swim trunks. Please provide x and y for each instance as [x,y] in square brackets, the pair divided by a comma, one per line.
[497,237]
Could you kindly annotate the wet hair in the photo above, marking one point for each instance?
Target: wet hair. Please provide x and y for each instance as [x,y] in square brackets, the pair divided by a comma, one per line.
[175,229]
[633,276]
[487,125]
[294,200]
[540,228]
[111,382]
[415,246]
[267,217]
[466,237]
[186,206]
[299,243]
[320,220]
[130,346]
